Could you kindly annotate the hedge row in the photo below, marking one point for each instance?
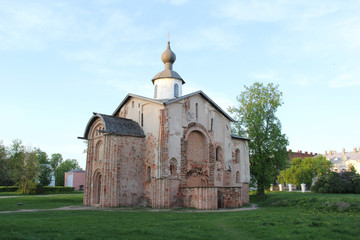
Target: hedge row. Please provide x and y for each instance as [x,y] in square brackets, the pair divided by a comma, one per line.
[39,189]
[8,188]
[58,189]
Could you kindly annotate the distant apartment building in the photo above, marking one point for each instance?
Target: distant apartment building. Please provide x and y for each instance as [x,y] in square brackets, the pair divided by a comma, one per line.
[343,160]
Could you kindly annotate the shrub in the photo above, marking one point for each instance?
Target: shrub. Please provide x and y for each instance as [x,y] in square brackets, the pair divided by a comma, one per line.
[8,188]
[58,189]
[356,182]
[344,182]
[39,188]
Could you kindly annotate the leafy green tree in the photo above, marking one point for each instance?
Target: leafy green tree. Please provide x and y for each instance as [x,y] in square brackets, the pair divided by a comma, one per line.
[5,178]
[303,170]
[22,166]
[45,168]
[16,153]
[65,166]
[30,169]
[55,161]
[256,120]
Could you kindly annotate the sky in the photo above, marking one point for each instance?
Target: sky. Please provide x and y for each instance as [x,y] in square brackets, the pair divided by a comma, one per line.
[60,61]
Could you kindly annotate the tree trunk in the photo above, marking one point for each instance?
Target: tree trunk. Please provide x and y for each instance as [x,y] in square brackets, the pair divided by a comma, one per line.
[260,191]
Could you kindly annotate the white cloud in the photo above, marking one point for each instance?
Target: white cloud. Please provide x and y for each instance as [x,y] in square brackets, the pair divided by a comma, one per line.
[345,80]
[214,38]
[252,11]
[270,76]
[274,11]
[37,26]
[177,2]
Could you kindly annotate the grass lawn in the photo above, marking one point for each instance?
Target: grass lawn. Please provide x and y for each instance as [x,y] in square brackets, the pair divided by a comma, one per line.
[280,216]
[40,201]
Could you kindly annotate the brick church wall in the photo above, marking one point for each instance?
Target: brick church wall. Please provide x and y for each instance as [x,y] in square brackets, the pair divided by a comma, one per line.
[121,170]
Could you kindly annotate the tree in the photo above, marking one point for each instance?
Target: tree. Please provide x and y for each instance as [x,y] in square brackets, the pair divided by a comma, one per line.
[23,165]
[256,120]
[55,161]
[30,169]
[16,156]
[45,168]
[303,170]
[65,166]
[5,178]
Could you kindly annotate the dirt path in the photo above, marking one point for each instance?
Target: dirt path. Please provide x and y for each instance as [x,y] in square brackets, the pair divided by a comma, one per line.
[79,208]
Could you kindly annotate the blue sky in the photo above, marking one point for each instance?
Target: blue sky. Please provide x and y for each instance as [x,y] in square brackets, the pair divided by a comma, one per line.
[62,60]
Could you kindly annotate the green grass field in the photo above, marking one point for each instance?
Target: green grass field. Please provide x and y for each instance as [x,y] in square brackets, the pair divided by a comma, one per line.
[280,216]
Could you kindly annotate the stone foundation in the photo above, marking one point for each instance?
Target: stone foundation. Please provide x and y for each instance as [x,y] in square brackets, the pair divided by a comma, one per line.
[212,197]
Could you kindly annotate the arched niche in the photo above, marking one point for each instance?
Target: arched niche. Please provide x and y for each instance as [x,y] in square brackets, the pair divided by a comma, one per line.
[96,187]
[197,159]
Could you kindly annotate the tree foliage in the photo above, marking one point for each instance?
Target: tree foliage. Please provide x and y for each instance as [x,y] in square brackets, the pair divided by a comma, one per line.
[5,176]
[45,172]
[256,120]
[64,166]
[333,182]
[25,166]
[20,165]
[303,170]
[55,161]
[29,170]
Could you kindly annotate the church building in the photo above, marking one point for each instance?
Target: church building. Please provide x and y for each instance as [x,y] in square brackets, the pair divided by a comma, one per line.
[172,150]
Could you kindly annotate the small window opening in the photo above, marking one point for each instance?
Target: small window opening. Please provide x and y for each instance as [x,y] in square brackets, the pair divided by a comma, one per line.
[155,91]
[237,156]
[176,90]
[196,111]
[237,177]
[172,169]
[212,124]
[218,154]
[132,104]
[148,177]
[173,164]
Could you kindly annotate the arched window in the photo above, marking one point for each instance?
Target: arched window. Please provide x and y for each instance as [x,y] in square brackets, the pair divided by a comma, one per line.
[176,90]
[237,156]
[237,177]
[218,154]
[155,91]
[99,151]
[148,177]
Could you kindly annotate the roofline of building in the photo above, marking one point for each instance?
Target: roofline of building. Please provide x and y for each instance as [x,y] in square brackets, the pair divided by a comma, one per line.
[167,102]
[204,96]
[98,115]
[239,137]
[130,95]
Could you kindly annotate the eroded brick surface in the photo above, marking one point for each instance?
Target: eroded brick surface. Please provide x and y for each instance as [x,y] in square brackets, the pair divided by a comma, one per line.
[176,163]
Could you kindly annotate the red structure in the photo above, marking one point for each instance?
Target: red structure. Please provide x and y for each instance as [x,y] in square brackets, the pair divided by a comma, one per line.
[75,178]
[300,154]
